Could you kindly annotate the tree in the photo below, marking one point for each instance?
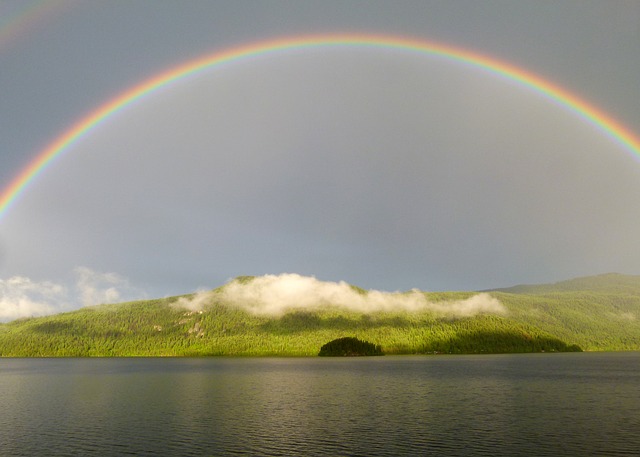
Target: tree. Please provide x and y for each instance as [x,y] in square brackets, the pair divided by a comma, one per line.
[349,347]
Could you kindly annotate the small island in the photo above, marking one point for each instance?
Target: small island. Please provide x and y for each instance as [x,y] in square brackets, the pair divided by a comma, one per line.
[349,347]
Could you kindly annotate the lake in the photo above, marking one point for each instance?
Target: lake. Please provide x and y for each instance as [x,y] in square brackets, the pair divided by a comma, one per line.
[573,404]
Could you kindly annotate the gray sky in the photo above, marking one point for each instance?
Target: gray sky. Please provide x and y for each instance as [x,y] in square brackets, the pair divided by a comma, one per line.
[388,170]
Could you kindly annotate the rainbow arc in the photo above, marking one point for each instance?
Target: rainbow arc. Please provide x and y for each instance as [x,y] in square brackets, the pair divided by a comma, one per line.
[578,106]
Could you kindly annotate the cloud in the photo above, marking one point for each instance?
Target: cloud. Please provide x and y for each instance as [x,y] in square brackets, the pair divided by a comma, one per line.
[94,288]
[278,294]
[22,297]
[264,295]
[195,303]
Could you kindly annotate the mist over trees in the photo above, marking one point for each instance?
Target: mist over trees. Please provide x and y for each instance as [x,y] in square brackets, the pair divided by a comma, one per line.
[595,314]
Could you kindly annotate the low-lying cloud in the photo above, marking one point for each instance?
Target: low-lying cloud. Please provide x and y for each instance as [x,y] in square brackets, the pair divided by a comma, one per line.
[24,297]
[197,302]
[95,288]
[272,295]
[278,294]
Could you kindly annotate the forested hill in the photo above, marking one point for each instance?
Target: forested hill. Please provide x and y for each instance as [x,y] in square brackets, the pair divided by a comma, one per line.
[597,312]
[594,313]
[609,283]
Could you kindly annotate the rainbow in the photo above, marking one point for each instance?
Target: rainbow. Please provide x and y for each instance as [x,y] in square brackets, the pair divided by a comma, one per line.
[581,108]
[28,17]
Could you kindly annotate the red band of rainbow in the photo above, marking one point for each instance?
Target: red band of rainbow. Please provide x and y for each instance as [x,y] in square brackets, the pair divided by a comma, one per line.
[589,113]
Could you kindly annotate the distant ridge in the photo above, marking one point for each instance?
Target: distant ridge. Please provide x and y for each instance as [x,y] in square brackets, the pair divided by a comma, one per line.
[612,283]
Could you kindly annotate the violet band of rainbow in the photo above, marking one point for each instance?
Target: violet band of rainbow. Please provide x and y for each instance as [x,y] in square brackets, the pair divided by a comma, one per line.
[590,114]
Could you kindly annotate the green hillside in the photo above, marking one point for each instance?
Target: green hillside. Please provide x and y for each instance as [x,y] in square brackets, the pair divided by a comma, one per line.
[599,313]
[595,313]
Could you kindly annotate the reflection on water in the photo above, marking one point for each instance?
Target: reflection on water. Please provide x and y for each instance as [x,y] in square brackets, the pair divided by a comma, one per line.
[537,404]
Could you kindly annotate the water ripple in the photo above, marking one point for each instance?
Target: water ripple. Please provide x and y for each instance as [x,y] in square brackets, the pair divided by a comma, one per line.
[583,404]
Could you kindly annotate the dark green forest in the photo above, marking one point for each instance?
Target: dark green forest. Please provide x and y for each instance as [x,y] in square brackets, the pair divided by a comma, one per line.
[349,347]
[599,313]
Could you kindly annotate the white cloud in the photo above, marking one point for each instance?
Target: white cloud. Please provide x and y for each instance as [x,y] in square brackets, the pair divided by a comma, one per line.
[265,295]
[197,302]
[94,288]
[276,295]
[22,297]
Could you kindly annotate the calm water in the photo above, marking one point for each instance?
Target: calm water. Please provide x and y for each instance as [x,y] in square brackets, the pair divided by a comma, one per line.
[533,405]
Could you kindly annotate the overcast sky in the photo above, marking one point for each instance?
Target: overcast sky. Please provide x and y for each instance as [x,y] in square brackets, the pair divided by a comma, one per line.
[389,170]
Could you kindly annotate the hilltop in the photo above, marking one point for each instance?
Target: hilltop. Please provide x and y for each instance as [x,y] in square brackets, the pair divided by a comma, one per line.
[608,283]
[599,313]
